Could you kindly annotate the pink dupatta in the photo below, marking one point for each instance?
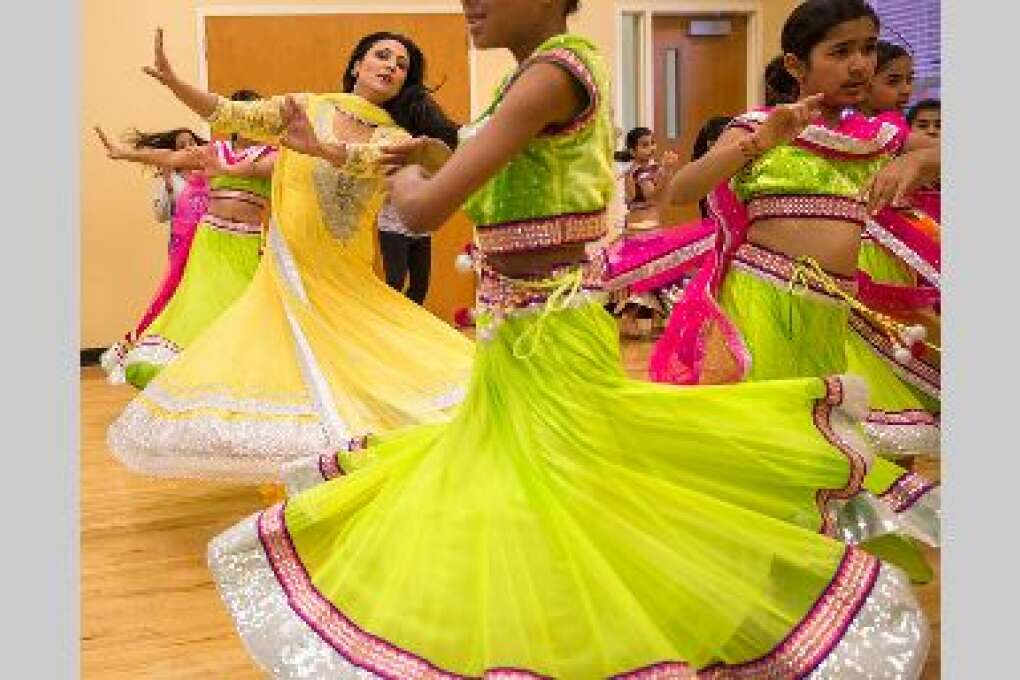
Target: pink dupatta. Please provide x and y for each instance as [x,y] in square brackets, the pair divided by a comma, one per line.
[682,355]
[189,208]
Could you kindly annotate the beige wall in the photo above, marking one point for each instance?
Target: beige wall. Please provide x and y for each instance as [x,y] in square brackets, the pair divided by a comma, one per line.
[774,13]
[597,20]
[123,249]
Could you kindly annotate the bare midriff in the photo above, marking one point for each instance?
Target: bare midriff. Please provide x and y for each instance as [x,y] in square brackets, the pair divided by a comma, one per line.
[833,243]
[536,262]
[248,209]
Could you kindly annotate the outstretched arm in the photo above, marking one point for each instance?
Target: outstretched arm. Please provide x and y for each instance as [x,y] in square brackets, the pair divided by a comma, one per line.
[353,158]
[263,167]
[543,95]
[164,158]
[259,119]
[213,164]
[916,140]
[427,152]
[735,148]
[695,180]
[201,102]
[903,174]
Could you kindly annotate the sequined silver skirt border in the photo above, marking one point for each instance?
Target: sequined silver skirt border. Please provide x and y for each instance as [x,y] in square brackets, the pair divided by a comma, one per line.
[208,447]
[865,517]
[254,446]
[902,439]
[888,639]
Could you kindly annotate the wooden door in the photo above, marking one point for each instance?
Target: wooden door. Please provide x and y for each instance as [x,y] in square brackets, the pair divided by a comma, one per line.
[278,54]
[710,79]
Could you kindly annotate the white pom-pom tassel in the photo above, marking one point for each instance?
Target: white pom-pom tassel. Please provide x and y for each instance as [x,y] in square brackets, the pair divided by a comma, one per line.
[914,334]
[464,263]
[112,363]
[903,355]
[109,359]
[117,376]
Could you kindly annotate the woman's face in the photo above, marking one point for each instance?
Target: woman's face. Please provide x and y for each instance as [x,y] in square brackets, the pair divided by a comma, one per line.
[892,86]
[184,139]
[381,73]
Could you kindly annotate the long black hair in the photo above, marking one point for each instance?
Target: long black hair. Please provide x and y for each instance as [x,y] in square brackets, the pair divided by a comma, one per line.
[780,86]
[707,135]
[807,26]
[163,139]
[244,95]
[810,21]
[413,108]
[630,143]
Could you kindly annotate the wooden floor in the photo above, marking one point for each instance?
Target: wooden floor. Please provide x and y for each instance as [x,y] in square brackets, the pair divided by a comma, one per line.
[149,608]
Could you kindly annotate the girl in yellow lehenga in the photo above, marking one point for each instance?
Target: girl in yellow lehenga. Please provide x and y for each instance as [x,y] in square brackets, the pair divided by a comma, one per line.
[318,351]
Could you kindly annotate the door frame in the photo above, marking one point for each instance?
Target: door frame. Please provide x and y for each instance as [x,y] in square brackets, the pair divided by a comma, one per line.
[750,9]
[204,11]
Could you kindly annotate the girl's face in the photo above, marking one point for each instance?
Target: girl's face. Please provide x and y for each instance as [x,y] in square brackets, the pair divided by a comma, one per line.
[183,140]
[841,65]
[502,23]
[381,73]
[645,149]
[891,87]
[928,122]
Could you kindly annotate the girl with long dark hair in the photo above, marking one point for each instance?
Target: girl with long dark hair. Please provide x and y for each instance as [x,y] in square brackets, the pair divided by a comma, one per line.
[180,198]
[225,246]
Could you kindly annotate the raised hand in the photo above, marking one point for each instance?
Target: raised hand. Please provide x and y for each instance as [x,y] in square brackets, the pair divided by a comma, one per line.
[786,121]
[160,69]
[206,159]
[424,151]
[393,157]
[114,150]
[298,132]
[890,185]
[670,160]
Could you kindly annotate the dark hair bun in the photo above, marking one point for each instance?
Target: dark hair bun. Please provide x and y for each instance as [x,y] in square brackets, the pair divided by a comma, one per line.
[780,86]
